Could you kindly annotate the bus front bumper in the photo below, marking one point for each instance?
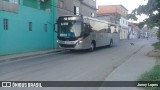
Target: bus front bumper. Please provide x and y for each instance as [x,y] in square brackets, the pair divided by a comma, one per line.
[72,45]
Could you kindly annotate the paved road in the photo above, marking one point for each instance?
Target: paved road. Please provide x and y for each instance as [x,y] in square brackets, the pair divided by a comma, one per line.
[71,66]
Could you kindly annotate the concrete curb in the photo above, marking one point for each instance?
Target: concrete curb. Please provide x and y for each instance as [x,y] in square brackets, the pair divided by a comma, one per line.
[14,57]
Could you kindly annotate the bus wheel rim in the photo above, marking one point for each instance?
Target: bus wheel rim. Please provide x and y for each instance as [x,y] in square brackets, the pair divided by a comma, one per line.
[111,43]
[92,47]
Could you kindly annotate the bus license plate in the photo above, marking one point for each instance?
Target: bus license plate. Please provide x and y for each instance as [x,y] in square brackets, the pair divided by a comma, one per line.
[69,42]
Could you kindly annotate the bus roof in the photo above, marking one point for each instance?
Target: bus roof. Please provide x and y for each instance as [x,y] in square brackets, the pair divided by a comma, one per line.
[98,20]
[90,18]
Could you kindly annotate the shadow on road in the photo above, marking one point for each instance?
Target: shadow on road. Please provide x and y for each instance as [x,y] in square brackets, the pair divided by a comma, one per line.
[87,51]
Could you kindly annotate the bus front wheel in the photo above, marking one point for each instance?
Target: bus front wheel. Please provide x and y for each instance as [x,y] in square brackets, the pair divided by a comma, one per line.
[92,47]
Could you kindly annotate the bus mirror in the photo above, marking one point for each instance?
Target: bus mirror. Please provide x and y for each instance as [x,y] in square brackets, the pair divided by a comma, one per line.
[55,27]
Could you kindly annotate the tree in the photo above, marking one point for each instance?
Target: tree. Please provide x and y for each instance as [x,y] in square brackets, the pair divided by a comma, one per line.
[132,17]
[141,24]
[152,10]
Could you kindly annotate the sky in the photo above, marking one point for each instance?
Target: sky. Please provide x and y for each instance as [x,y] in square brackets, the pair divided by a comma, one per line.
[129,4]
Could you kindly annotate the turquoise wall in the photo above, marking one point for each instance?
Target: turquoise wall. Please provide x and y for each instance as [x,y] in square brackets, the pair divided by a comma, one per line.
[31,3]
[18,38]
[54,15]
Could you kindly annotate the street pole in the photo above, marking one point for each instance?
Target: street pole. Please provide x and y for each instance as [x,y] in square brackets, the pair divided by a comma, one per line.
[53,20]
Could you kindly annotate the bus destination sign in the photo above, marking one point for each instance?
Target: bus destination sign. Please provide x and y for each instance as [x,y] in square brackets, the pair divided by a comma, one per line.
[70,18]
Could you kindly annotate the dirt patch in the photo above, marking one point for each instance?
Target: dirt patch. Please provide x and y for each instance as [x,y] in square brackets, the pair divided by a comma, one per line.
[154,53]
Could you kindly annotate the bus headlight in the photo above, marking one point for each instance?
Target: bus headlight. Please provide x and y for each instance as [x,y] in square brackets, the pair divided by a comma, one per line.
[80,41]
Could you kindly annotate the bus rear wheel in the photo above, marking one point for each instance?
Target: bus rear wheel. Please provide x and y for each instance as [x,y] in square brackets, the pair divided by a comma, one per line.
[71,50]
[111,43]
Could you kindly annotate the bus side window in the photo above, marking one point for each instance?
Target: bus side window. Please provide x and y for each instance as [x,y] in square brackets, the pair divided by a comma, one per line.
[86,29]
[108,30]
[90,28]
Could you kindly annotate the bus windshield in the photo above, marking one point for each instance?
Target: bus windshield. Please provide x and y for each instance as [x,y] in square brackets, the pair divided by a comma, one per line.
[69,29]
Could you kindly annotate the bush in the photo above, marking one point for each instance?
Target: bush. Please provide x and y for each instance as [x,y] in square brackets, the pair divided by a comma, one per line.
[158,34]
[153,75]
[156,45]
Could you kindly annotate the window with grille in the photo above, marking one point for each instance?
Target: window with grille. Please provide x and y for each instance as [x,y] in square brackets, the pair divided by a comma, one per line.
[5,24]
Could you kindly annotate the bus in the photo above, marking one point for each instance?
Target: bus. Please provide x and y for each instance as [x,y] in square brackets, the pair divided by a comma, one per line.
[77,32]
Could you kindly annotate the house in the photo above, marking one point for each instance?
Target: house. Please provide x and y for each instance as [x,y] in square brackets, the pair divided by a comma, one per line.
[115,14]
[133,31]
[148,32]
[77,7]
[27,25]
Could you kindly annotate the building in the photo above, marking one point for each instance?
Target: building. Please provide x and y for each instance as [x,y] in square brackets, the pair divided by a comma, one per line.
[115,14]
[147,32]
[77,7]
[107,17]
[26,25]
[133,31]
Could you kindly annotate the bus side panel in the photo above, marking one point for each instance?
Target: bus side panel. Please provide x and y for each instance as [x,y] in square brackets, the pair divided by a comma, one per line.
[87,42]
[98,29]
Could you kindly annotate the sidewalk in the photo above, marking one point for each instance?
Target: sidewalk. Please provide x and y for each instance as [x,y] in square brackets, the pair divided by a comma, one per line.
[13,57]
[132,69]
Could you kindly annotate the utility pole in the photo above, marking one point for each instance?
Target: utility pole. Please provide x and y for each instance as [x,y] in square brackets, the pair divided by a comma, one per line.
[53,20]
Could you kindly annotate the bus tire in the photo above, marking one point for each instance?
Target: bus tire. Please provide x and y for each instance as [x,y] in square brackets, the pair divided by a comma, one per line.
[71,50]
[111,43]
[92,47]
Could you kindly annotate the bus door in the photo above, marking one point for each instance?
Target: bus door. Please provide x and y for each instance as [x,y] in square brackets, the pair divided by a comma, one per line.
[87,34]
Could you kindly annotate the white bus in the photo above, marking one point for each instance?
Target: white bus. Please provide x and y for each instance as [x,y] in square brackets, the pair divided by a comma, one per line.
[81,32]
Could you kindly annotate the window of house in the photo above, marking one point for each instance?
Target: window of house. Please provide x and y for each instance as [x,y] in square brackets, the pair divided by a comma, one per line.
[61,4]
[44,5]
[32,4]
[126,23]
[92,14]
[45,27]
[5,24]
[76,10]
[30,26]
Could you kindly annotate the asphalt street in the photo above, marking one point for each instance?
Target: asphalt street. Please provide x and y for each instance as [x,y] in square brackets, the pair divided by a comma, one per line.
[71,66]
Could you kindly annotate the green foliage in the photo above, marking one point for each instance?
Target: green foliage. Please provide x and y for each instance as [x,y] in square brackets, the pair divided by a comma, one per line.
[148,9]
[156,45]
[132,17]
[158,34]
[153,75]
[141,25]
[152,10]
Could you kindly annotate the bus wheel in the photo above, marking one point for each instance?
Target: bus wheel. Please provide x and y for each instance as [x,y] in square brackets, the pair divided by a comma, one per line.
[72,50]
[111,43]
[92,47]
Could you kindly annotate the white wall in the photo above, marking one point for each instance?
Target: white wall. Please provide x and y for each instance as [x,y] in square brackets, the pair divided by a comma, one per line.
[124,28]
[123,22]
[133,33]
